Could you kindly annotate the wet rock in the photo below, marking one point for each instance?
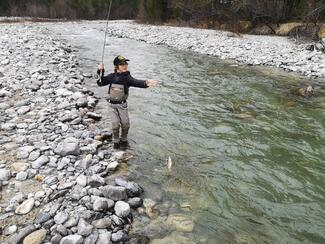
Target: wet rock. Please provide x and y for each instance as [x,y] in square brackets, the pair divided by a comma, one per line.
[181,222]
[115,193]
[84,228]
[102,223]
[72,239]
[18,238]
[25,207]
[174,238]
[21,176]
[103,204]
[61,217]
[69,146]
[122,209]
[5,174]
[120,236]
[35,237]
[40,162]
[104,238]
[135,202]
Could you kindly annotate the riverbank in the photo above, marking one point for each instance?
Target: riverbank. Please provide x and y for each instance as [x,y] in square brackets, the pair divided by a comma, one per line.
[57,181]
[274,51]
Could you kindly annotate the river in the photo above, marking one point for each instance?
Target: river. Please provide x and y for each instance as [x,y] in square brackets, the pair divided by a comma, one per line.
[248,156]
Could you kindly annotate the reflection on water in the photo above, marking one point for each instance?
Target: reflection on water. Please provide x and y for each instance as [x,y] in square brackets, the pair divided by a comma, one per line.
[248,157]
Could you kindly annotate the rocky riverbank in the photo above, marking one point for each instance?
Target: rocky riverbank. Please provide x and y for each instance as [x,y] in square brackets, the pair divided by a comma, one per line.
[274,51]
[57,181]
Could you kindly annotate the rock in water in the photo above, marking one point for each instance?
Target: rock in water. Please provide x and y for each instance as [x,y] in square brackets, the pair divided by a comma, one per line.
[115,193]
[25,207]
[122,209]
[36,237]
[181,222]
[72,239]
[69,146]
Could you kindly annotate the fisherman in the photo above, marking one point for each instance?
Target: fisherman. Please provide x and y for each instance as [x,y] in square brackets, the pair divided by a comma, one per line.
[118,91]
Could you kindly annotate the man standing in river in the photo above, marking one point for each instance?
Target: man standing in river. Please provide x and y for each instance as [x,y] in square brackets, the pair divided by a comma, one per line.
[118,91]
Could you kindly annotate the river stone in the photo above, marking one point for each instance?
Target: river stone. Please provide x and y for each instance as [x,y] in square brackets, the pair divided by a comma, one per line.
[112,166]
[120,236]
[56,239]
[72,239]
[84,228]
[95,180]
[34,155]
[122,209]
[62,230]
[61,217]
[82,180]
[104,238]
[102,223]
[174,238]
[5,174]
[23,110]
[25,207]
[21,176]
[35,237]
[103,204]
[115,193]
[40,162]
[9,230]
[69,146]
[72,221]
[181,222]
[135,202]
[42,217]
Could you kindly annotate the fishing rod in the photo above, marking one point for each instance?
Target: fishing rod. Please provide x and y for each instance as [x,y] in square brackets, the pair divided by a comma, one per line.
[104,45]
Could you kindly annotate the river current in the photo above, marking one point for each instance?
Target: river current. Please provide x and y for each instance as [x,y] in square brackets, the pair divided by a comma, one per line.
[248,156]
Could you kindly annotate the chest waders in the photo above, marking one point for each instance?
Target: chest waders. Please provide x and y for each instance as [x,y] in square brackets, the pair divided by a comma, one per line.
[118,112]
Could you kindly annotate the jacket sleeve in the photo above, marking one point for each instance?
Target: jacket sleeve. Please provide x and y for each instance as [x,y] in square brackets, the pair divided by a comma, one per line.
[136,83]
[103,80]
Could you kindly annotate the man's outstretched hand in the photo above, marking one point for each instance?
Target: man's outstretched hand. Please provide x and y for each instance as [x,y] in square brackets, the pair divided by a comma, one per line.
[151,82]
[101,67]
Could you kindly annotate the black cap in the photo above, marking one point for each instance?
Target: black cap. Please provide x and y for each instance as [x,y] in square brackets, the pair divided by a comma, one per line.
[120,59]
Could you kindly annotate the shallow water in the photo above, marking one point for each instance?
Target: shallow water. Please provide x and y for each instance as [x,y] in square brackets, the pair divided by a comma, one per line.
[248,157]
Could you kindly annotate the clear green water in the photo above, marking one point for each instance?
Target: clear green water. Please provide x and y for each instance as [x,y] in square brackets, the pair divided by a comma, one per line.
[247,180]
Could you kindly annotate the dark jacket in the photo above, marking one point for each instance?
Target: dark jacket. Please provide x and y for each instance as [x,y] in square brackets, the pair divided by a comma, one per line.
[124,78]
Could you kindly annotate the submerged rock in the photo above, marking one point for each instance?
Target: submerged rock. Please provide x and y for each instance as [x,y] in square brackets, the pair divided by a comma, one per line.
[181,222]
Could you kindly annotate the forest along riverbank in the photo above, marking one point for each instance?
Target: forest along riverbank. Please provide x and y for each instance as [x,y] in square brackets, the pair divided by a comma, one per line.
[272,51]
[57,180]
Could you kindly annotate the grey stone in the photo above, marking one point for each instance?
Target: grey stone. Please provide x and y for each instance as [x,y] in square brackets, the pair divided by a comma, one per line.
[61,217]
[103,204]
[23,110]
[9,230]
[63,163]
[42,217]
[21,176]
[72,239]
[69,146]
[104,238]
[62,230]
[34,155]
[122,209]
[135,202]
[40,162]
[84,228]
[95,180]
[82,180]
[5,174]
[56,239]
[71,222]
[120,236]
[92,239]
[115,193]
